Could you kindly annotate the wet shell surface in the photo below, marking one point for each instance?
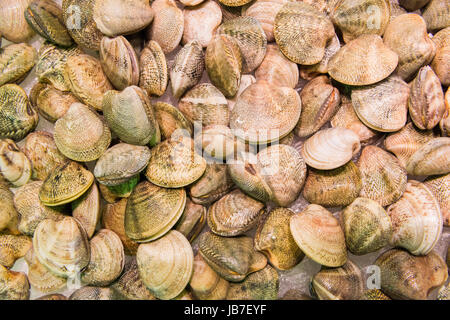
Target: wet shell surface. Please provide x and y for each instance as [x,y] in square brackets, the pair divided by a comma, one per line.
[12,248]
[431,158]
[86,209]
[440,63]
[13,25]
[192,220]
[260,285]
[153,75]
[13,285]
[440,187]
[14,164]
[437,14]
[93,293]
[16,60]
[171,120]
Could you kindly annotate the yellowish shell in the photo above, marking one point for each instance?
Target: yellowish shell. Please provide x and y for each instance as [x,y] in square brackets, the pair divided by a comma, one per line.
[431,158]
[440,187]
[16,60]
[86,210]
[8,213]
[265,11]
[192,220]
[171,120]
[12,248]
[14,165]
[436,14]
[13,25]
[153,69]
[13,285]
[260,285]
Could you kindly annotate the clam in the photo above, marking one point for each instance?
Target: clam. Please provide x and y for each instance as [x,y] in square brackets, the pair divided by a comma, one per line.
[93,293]
[13,25]
[62,246]
[413,5]
[13,285]
[134,124]
[205,104]
[32,211]
[153,75]
[320,101]
[109,196]
[122,190]
[363,61]
[440,63]
[166,265]
[342,143]
[171,120]
[187,68]
[119,62]
[201,21]
[65,183]
[265,113]
[276,69]
[174,163]
[52,296]
[416,219]
[213,185]
[116,17]
[383,177]
[426,101]
[234,214]
[277,174]
[168,24]
[264,11]
[107,259]
[246,80]
[232,258]
[436,14]
[14,164]
[218,142]
[40,148]
[46,19]
[12,248]
[294,294]
[273,238]
[192,220]
[388,111]
[310,28]
[205,283]
[404,276]
[113,218]
[319,236]
[375,294]
[81,134]
[17,115]
[444,292]
[430,159]
[86,209]
[234,3]
[191,3]
[367,226]
[260,285]
[396,10]
[440,187]
[8,213]
[121,162]
[80,23]
[16,60]
[223,62]
[358,17]
[333,188]
[152,211]
[343,283]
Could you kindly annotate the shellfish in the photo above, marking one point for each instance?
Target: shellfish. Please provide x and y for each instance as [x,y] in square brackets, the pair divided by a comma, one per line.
[153,75]
[14,164]
[16,60]
[13,25]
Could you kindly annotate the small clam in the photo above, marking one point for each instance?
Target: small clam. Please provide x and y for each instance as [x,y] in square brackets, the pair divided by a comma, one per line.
[310,28]
[232,258]
[86,209]
[166,265]
[294,294]
[383,177]
[13,285]
[14,164]
[119,62]
[153,76]
[218,142]
[404,276]
[344,283]
[388,111]
[152,211]
[264,11]
[441,61]
[416,219]
[116,17]
[367,226]
[333,188]
[192,220]
[205,283]
[201,21]
[319,236]
[81,134]
[342,143]
[62,246]
[12,248]
[17,115]
[260,285]
[320,101]
[65,183]
[13,25]
[8,213]
[273,238]
[171,120]
[187,68]
[16,60]
[431,158]
[93,293]
[213,185]
[205,104]
[440,187]
[437,14]
[363,61]
[107,259]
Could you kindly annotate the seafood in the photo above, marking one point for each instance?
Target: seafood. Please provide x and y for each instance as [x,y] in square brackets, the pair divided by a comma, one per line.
[12,248]
[200,22]
[260,285]
[440,63]
[13,285]
[436,14]
[171,120]
[14,164]
[192,220]
[13,25]
[16,60]
[440,187]
[430,159]
[86,209]
[264,11]
[153,76]
[8,213]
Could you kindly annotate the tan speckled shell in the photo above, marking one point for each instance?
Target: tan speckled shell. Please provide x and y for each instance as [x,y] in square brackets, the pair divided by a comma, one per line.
[437,14]
[153,69]
[93,293]
[441,61]
[16,60]
[171,120]
[14,164]
[260,285]
[12,248]
[13,25]
[201,21]
[13,285]
[265,11]
[213,185]
[8,213]
[205,283]
[86,209]
[440,187]
[431,158]
[192,220]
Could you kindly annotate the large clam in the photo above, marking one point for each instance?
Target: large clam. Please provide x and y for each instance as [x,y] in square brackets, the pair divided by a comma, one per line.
[153,76]
[16,60]
[13,25]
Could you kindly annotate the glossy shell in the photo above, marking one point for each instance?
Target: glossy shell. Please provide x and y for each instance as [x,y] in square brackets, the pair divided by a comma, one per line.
[12,248]
[201,21]
[86,209]
[260,285]
[171,120]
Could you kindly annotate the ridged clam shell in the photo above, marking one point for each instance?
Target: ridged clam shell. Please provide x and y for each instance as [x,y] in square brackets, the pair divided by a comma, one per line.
[201,21]
[205,283]
[404,276]
[382,106]
[16,60]
[191,2]
[86,209]
[8,213]
[265,11]
[13,285]
[218,142]
[431,158]
[444,292]
[13,25]
[192,220]
[233,3]
[440,187]
[213,185]
[246,80]
[342,143]
[437,14]
[93,293]
[153,70]
[17,115]
[14,164]
[294,294]
[310,28]
[260,285]
[319,236]
[383,177]
[166,265]
[367,226]
[122,190]
[363,61]
[375,294]
[12,248]
[416,219]
[440,63]
[273,238]
[171,120]
[152,211]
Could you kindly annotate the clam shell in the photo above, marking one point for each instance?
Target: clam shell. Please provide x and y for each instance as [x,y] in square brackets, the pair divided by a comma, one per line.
[273,238]
[86,210]
[265,11]
[93,293]
[444,292]
[363,61]
[260,285]
[413,5]
[367,226]
[152,211]
[430,159]
[52,296]
[8,213]
[302,32]
[294,294]
[166,265]
[171,120]
[12,248]
[122,190]
[342,143]
[218,142]
[234,3]
[14,165]
[16,60]
[191,2]
[375,294]
[440,187]
[440,63]
[319,236]
[192,220]
[153,76]
[437,14]
[246,80]
[205,283]
[13,25]
[13,285]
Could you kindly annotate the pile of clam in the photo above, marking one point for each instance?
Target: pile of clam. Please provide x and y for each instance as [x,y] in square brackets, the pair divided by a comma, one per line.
[203,149]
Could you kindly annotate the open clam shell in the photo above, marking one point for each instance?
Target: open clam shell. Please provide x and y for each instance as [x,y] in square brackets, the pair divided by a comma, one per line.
[14,164]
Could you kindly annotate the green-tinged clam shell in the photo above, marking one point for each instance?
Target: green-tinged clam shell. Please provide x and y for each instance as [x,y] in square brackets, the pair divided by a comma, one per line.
[171,120]
[15,167]
[437,14]
[124,189]
[213,185]
[440,187]
[153,76]
[205,283]
[86,209]
[431,158]
[13,25]
[260,285]
[13,247]
[16,60]
[375,294]
[192,220]
[93,293]
[13,285]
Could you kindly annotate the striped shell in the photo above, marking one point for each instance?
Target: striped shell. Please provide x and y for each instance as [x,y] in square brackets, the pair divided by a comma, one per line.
[86,209]
[171,120]
[16,60]
[431,158]
[192,220]
[265,11]
[440,63]
[153,70]
[260,285]
[13,247]
[436,14]
[13,25]
[13,285]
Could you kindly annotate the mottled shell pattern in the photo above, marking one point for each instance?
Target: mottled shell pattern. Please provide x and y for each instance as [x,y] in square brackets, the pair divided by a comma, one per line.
[16,60]
[153,75]
[15,167]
